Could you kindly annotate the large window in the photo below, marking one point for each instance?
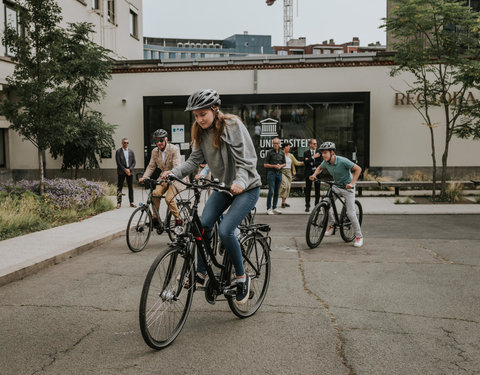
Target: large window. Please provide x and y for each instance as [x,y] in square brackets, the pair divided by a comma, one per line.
[111,11]
[11,20]
[96,4]
[342,118]
[133,24]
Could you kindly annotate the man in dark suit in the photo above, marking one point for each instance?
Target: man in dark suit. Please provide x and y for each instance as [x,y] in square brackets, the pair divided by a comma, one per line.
[125,159]
[312,159]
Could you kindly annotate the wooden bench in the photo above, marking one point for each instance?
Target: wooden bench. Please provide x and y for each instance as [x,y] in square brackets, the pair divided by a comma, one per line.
[359,186]
[425,185]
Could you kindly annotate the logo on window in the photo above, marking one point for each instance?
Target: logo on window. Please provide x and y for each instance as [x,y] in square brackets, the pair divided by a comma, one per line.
[269,128]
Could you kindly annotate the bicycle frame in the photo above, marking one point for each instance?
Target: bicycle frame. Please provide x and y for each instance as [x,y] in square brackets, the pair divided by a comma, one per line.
[330,198]
[203,244]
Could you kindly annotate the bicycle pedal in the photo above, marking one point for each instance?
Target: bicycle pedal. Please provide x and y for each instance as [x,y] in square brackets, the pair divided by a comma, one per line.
[229,292]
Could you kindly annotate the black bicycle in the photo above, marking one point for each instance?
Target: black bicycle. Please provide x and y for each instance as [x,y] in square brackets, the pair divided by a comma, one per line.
[170,283]
[216,244]
[140,225]
[317,222]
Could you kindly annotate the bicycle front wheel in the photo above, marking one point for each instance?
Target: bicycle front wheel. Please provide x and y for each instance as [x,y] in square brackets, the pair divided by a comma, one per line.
[317,224]
[256,261]
[139,229]
[165,302]
[184,213]
[346,228]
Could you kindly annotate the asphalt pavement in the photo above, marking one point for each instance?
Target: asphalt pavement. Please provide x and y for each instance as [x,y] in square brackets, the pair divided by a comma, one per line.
[25,255]
[405,303]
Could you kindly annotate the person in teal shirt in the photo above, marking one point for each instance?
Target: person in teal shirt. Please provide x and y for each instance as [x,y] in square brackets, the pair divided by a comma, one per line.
[344,181]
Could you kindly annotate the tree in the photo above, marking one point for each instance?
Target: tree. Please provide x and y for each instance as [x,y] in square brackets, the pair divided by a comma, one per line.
[438,42]
[39,112]
[92,139]
[86,70]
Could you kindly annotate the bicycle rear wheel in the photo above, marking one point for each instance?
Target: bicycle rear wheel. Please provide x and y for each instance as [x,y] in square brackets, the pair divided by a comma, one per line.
[165,303]
[256,255]
[139,229]
[317,224]
[346,227]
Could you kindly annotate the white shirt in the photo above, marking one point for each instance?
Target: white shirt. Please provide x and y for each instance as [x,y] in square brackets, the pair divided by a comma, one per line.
[288,162]
[163,154]
[125,153]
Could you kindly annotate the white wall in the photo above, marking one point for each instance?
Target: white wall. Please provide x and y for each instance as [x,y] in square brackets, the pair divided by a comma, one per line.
[397,136]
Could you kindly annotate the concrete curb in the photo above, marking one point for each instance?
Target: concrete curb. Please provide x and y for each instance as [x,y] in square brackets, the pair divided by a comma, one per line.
[31,267]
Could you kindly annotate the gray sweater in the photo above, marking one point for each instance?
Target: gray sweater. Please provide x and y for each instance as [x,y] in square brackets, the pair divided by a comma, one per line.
[234,162]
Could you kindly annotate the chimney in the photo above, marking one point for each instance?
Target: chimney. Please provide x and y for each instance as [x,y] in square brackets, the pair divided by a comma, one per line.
[356,41]
[331,41]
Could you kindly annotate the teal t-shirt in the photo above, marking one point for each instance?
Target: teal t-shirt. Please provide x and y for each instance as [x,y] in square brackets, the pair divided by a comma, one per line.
[341,171]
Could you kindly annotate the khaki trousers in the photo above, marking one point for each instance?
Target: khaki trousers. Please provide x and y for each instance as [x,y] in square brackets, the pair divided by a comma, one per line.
[169,198]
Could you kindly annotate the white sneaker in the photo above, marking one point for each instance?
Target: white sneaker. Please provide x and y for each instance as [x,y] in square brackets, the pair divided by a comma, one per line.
[329,231]
[269,211]
[358,242]
[277,211]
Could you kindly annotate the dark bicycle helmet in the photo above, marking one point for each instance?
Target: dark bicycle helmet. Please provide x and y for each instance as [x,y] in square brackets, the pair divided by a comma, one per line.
[160,133]
[327,146]
[203,99]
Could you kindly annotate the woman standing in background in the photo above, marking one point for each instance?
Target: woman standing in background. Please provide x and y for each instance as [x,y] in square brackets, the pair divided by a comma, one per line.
[288,172]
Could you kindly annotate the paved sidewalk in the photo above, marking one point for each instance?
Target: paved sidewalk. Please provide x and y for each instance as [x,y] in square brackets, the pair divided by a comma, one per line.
[25,255]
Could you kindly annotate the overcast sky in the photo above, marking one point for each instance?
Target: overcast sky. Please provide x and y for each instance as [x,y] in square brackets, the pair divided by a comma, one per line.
[317,20]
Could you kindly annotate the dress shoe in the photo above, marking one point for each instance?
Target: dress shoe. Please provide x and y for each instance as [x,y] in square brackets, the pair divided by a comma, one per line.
[132,205]
[119,205]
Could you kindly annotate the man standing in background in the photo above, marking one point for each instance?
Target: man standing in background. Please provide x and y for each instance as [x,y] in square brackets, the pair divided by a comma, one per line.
[311,159]
[274,162]
[125,159]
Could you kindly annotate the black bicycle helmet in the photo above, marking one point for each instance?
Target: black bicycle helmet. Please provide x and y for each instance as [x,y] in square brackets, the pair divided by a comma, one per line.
[327,146]
[203,99]
[160,133]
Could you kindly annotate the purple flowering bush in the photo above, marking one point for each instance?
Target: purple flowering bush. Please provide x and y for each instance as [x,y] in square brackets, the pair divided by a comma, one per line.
[60,192]
[23,210]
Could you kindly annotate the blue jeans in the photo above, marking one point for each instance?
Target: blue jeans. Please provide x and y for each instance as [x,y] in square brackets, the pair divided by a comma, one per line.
[240,205]
[274,180]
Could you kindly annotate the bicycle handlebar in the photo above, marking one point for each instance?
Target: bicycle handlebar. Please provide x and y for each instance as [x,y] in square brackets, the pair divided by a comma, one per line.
[150,181]
[211,184]
[328,182]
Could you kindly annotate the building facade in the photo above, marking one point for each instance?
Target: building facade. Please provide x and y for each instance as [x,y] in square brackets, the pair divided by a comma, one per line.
[349,99]
[118,27]
[299,47]
[235,45]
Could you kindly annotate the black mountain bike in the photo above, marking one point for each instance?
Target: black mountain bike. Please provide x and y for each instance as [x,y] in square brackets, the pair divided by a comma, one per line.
[170,283]
[140,225]
[317,222]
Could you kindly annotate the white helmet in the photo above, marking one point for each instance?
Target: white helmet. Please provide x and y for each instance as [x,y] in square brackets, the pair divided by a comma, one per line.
[327,146]
[203,99]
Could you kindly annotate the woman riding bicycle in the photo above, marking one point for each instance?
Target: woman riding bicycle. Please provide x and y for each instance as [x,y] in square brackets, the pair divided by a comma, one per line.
[344,184]
[223,141]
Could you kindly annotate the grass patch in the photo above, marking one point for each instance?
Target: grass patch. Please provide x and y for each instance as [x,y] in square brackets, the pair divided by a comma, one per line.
[22,211]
